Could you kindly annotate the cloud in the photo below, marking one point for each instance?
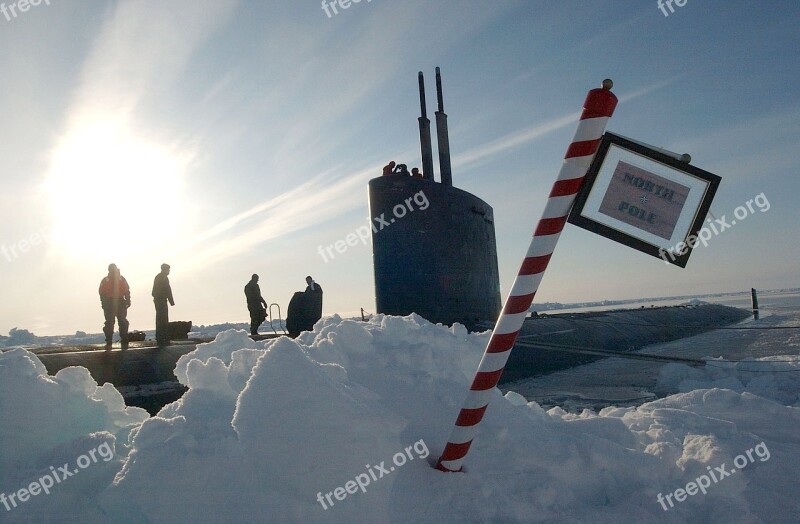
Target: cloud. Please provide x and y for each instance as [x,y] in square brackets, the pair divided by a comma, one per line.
[321,199]
[318,200]
[517,138]
[139,51]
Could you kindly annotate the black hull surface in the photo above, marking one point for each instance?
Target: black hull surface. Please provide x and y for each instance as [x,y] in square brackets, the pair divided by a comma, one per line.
[620,330]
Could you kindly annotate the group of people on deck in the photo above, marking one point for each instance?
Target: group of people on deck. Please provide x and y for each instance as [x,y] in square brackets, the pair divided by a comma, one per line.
[115,299]
[257,306]
[392,168]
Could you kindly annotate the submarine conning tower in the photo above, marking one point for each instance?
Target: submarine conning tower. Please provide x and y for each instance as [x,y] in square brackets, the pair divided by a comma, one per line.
[434,248]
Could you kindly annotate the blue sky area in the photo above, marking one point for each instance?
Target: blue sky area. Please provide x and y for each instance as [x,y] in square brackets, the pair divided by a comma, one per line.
[230,137]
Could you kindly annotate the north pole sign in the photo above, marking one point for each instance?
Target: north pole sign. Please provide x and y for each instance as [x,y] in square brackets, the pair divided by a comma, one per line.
[644,198]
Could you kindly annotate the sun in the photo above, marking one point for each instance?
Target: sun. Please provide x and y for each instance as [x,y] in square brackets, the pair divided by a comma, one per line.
[112,194]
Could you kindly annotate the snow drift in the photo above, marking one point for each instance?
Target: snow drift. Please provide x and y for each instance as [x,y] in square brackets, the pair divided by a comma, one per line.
[279,431]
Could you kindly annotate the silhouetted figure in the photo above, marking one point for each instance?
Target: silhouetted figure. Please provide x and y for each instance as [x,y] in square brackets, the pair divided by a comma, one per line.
[401,169]
[115,299]
[296,321]
[415,172]
[162,294]
[314,291]
[255,304]
[388,169]
[305,309]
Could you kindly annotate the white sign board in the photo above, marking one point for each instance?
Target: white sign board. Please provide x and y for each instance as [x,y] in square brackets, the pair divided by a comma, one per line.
[643,198]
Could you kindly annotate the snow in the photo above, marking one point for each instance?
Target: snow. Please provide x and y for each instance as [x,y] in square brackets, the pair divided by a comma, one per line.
[774,378]
[49,421]
[268,428]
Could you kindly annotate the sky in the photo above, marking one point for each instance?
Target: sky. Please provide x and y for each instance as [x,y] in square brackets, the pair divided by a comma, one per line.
[235,137]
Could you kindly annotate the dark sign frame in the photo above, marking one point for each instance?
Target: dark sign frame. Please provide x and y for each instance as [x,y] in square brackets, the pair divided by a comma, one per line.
[675,171]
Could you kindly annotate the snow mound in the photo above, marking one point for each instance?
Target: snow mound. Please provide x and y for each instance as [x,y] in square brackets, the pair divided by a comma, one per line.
[343,424]
[776,378]
[50,421]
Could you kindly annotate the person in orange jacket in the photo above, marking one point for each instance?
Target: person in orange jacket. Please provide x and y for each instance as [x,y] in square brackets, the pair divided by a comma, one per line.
[115,299]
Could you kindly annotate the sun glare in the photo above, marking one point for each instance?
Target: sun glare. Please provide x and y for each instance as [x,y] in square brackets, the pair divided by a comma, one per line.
[113,194]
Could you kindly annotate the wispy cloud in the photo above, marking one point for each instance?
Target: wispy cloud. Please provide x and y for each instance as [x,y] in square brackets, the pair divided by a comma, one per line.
[106,146]
[136,56]
[339,73]
[318,200]
[138,53]
[512,140]
[646,90]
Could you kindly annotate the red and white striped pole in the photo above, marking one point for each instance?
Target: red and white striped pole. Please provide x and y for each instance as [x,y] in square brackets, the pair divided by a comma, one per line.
[597,109]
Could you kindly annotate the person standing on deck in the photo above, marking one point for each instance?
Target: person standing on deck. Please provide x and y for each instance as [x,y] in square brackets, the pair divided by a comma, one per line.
[314,302]
[115,299]
[256,304]
[162,294]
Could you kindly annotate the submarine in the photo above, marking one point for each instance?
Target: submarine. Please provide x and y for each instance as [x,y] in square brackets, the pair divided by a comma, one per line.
[437,259]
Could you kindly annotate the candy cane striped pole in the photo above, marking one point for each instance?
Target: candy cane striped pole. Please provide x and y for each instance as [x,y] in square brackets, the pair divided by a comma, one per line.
[597,109]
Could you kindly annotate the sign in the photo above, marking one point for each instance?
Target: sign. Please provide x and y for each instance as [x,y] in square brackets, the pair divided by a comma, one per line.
[644,198]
